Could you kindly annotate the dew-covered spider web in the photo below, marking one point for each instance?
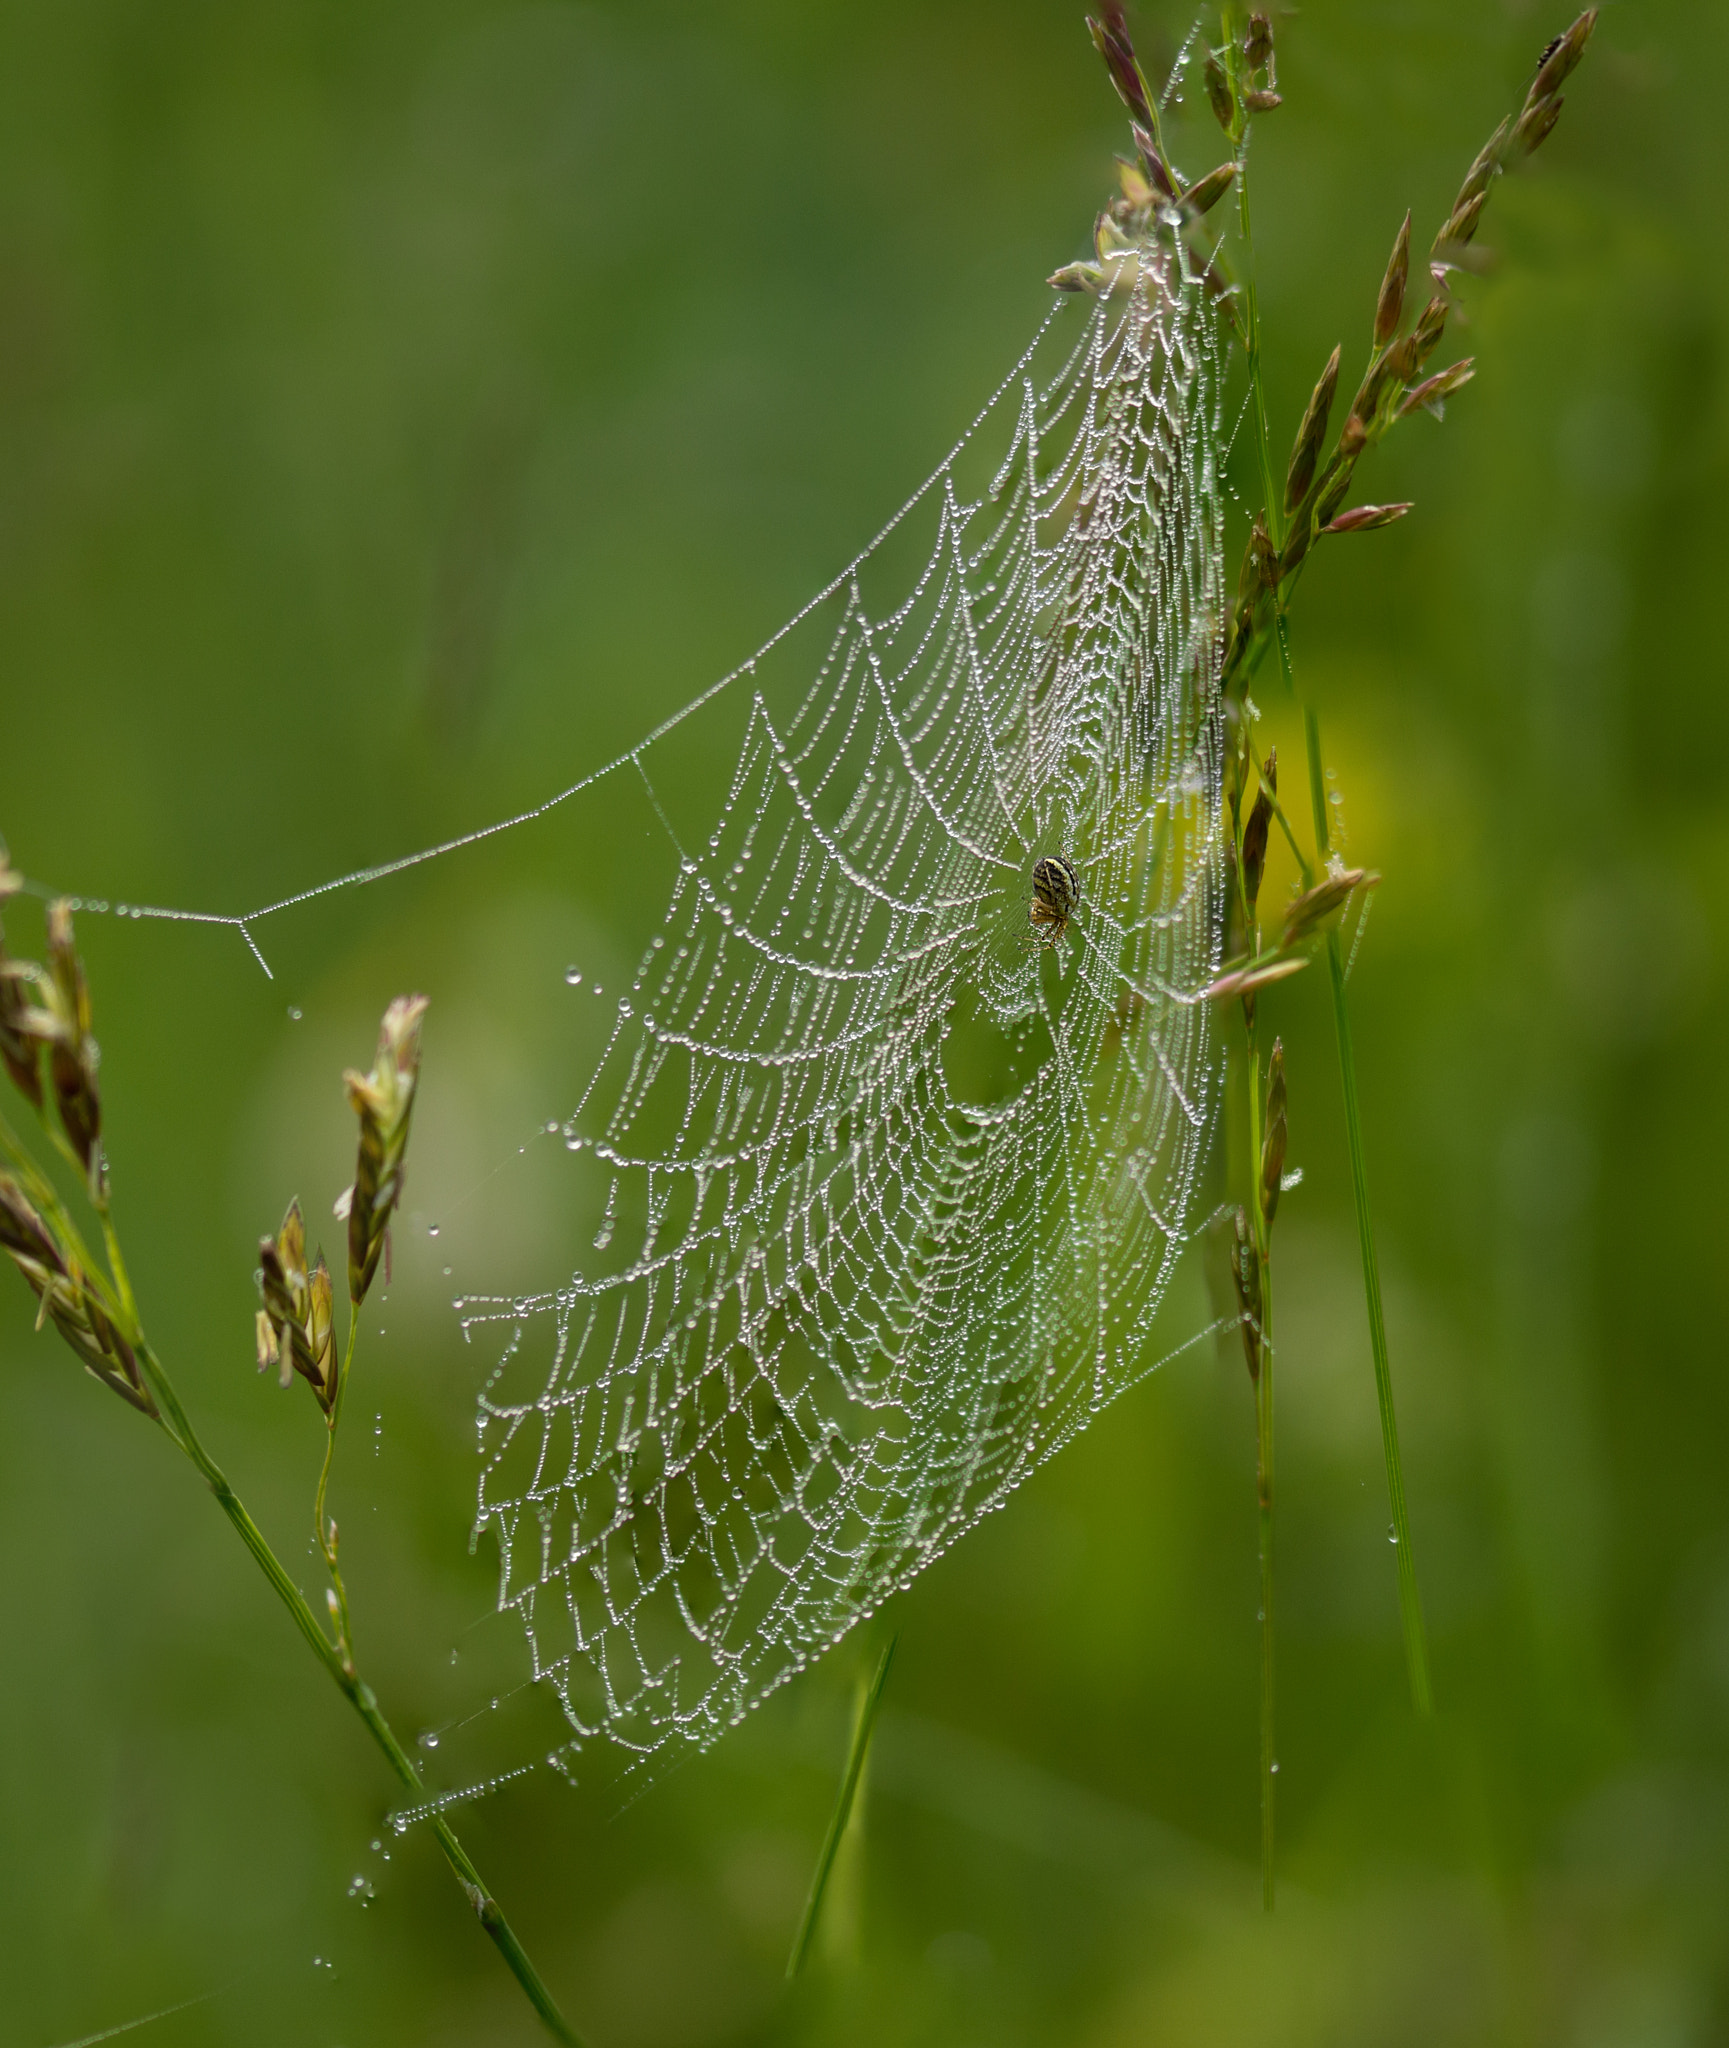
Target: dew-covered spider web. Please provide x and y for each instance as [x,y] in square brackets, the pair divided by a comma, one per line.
[890,1181]
[841,1302]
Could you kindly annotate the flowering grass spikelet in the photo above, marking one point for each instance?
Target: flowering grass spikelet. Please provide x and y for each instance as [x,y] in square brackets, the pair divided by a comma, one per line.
[295,1325]
[67,1297]
[384,1101]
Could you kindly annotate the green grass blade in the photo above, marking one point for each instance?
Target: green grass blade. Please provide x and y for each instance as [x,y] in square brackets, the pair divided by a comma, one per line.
[1264,1476]
[1410,1601]
[863,1728]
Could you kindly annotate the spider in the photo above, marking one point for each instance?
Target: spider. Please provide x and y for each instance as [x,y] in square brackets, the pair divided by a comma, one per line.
[1056,891]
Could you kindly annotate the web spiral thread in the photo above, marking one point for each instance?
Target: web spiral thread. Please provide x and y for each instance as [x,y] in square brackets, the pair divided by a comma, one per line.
[893,1190]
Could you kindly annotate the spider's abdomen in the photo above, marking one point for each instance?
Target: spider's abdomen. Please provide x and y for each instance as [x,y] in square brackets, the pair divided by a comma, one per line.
[1056,886]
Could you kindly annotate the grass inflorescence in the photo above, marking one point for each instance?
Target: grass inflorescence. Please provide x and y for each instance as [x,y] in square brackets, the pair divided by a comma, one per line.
[1310,503]
[51,1057]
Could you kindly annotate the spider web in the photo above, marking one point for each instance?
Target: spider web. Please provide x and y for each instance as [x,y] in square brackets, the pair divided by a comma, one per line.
[893,1192]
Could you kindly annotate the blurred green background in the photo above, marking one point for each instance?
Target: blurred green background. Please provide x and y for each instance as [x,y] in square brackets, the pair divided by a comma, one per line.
[402,409]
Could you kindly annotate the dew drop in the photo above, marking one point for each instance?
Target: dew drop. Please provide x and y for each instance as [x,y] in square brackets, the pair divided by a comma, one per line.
[1392,1533]
[427,1739]
[432,1230]
[573,975]
[1273,1767]
[295,1013]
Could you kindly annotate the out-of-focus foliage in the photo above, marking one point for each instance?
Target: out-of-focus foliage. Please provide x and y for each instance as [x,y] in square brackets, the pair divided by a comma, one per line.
[402,408]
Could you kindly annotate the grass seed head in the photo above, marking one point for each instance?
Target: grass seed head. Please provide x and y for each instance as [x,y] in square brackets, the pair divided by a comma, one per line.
[1259,562]
[1325,900]
[1535,123]
[21,1052]
[1390,306]
[1460,226]
[384,1101]
[63,1024]
[1076,277]
[1426,335]
[1205,193]
[67,1299]
[23,1234]
[1364,518]
[1485,169]
[20,1049]
[1258,45]
[1152,162]
[1311,436]
[1559,59]
[1256,831]
[1219,94]
[1273,1145]
[295,1325]
[1353,439]
[1249,976]
[1260,101]
[1111,40]
[1434,393]
[1246,1272]
[1136,191]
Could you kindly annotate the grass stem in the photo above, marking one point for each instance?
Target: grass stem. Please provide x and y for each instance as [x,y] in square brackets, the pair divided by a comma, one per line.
[1263,1392]
[1264,1497]
[1410,1600]
[359,1695]
[863,1728]
[325,1530]
[1263,1385]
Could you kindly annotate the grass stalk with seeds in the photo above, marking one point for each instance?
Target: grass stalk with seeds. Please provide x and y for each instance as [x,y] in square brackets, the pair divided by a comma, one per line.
[1241,84]
[50,1055]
